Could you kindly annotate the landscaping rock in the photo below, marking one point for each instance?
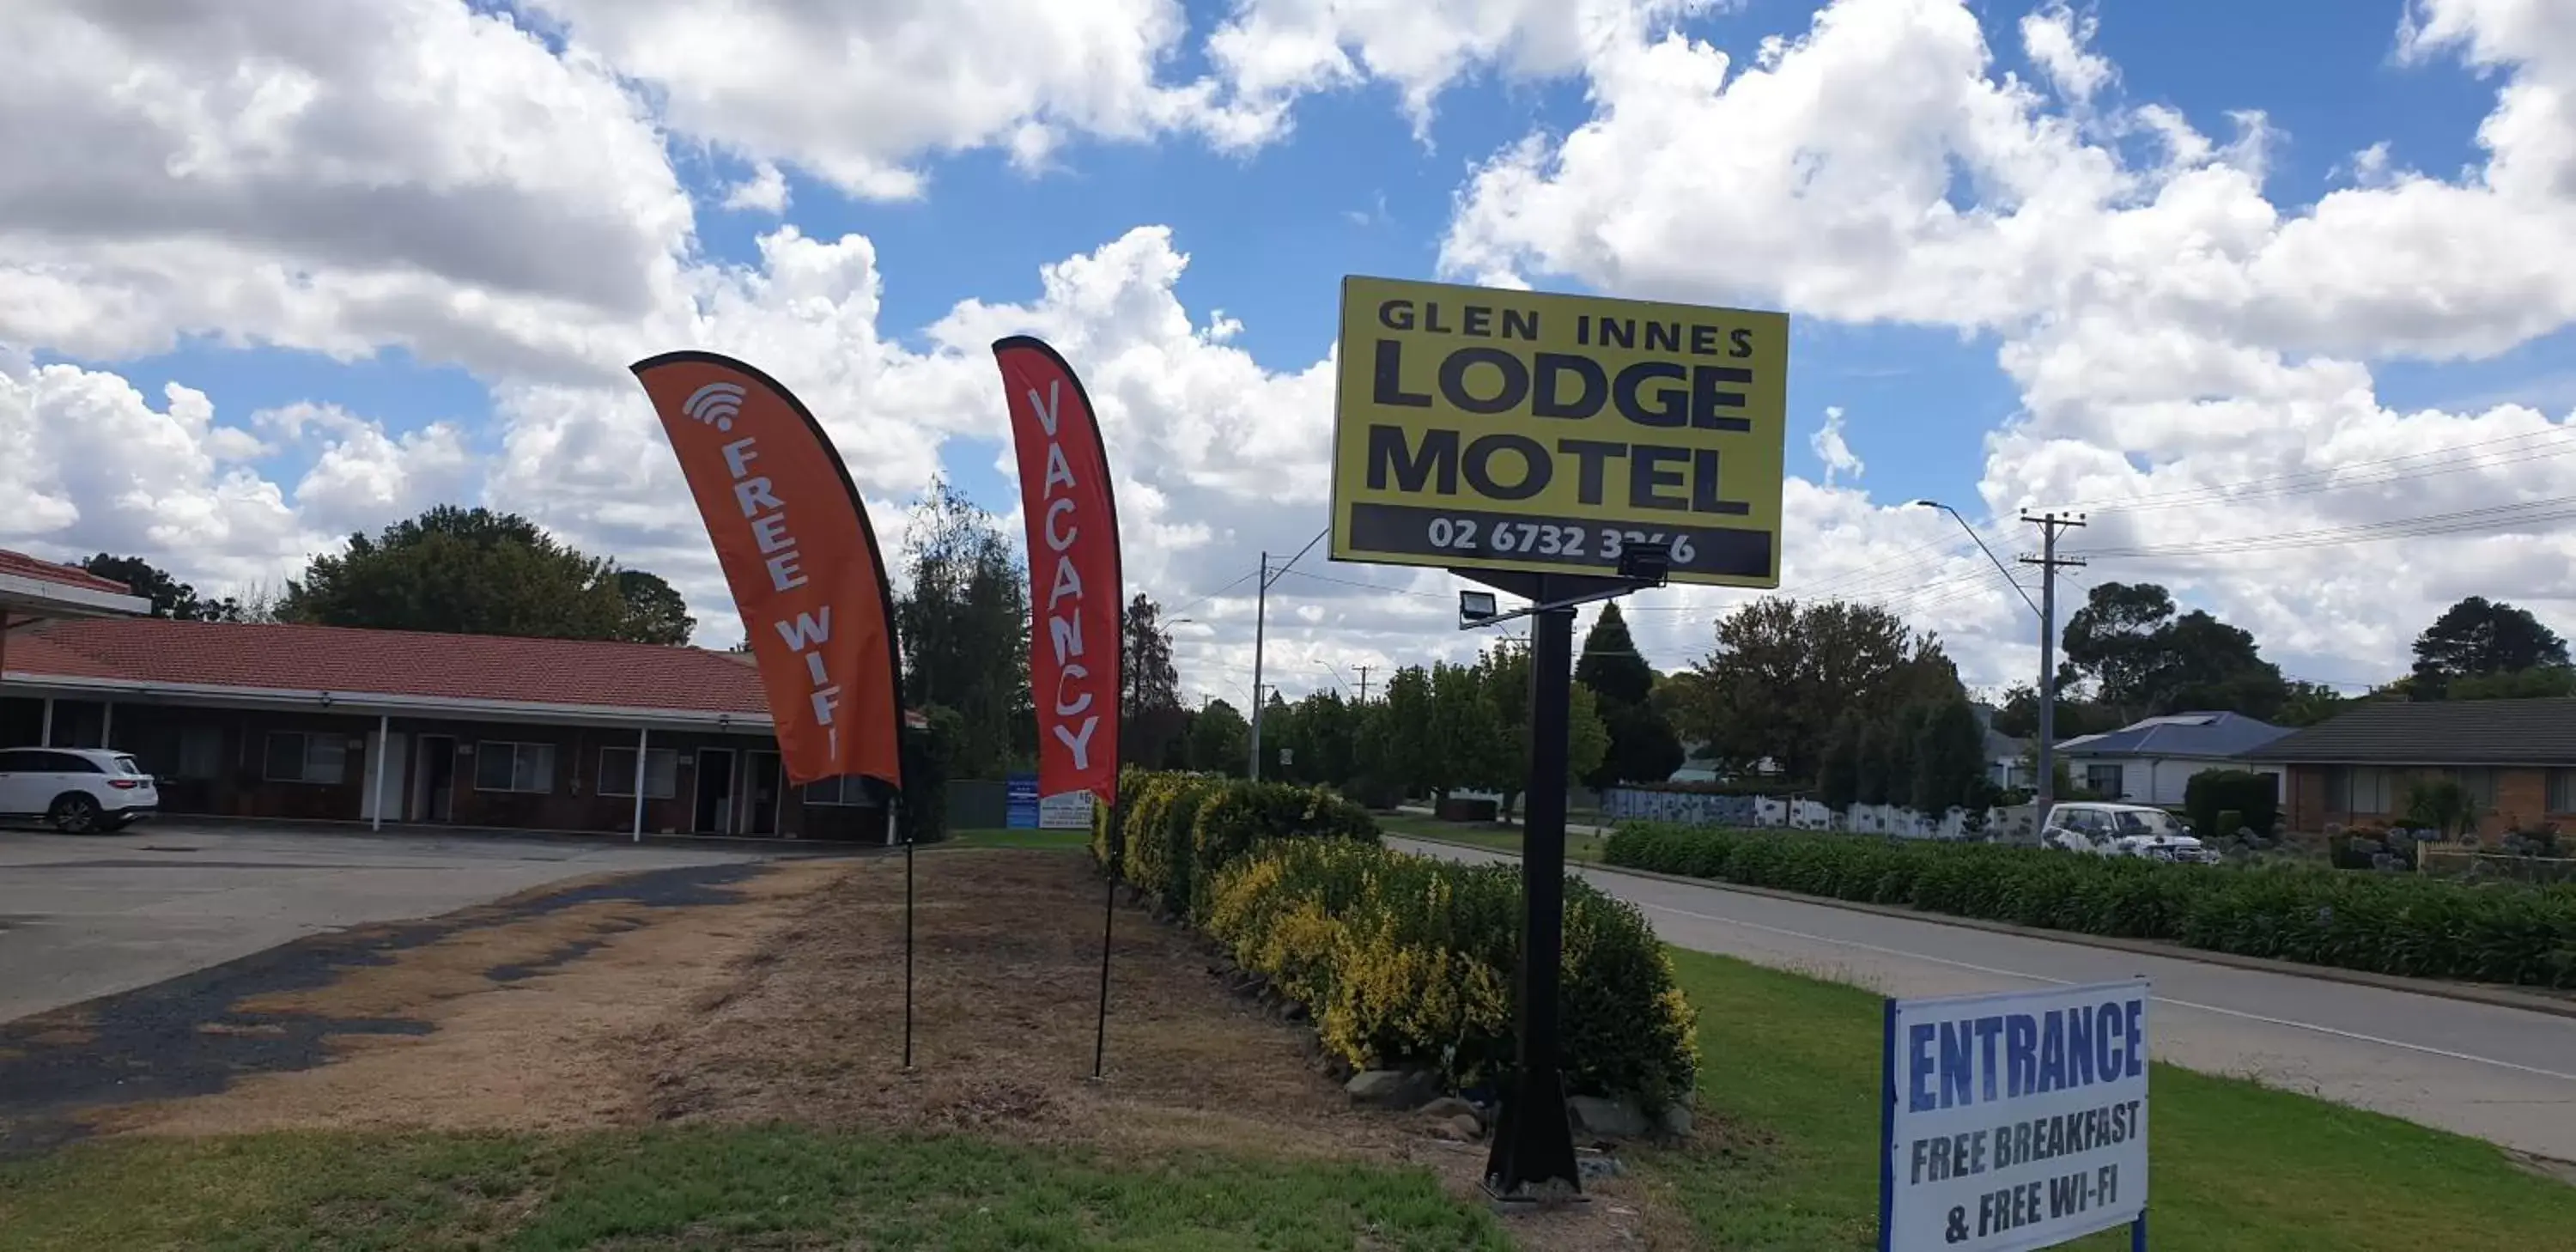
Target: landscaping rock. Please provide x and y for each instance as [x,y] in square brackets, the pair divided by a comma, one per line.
[1610,1119]
[1592,1164]
[1676,1121]
[1447,1106]
[1392,1088]
[1465,1128]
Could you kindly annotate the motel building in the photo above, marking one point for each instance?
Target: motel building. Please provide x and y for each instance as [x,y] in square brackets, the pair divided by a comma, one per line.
[382,727]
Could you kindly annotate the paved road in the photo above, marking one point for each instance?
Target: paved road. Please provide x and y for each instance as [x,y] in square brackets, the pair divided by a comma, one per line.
[84,916]
[2506,1075]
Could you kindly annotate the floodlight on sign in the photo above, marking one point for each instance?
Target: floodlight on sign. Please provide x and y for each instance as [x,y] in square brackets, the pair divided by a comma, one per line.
[1475,608]
[1646,562]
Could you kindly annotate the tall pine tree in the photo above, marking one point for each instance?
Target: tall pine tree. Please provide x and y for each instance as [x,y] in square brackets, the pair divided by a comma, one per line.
[1643,747]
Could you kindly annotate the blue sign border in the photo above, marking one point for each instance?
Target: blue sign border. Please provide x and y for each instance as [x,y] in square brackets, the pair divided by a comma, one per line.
[1887,1128]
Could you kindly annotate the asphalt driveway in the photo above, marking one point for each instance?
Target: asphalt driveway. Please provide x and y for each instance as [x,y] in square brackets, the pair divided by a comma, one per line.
[84,916]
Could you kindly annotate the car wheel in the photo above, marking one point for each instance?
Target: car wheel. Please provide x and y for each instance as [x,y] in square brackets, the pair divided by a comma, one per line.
[75,814]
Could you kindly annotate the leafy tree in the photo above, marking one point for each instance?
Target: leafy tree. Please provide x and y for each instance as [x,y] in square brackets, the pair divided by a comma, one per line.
[1149,686]
[2479,636]
[1783,673]
[2145,659]
[1220,740]
[169,596]
[965,629]
[1642,747]
[1905,751]
[2018,715]
[1327,739]
[1949,758]
[1609,663]
[1400,744]
[2535,683]
[1838,770]
[2441,805]
[1467,745]
[1879,761]
[655,611]
[1505,675]
[462,571]
[2306,704]
[1279,732]
[1587,734]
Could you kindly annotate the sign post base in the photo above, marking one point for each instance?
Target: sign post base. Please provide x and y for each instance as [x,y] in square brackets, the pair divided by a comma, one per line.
[1533,1156]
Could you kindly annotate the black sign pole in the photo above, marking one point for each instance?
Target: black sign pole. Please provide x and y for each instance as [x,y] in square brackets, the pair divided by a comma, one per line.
[1533,1155]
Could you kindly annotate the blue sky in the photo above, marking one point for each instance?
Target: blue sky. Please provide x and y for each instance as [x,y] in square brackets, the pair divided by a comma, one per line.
[1353,191]
[1353,188]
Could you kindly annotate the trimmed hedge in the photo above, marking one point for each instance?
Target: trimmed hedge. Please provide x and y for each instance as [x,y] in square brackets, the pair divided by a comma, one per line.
[1408,961]
[1175,829]
[2385,923]
[2212,794]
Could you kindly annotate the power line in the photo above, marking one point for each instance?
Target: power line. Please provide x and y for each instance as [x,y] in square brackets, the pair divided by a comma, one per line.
[2492,517]
[1346,582]
[1169,613]
[2378,471]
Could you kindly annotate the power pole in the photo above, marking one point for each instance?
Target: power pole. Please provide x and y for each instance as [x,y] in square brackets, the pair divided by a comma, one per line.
[2045,790]
[1363,669]
[1260,622]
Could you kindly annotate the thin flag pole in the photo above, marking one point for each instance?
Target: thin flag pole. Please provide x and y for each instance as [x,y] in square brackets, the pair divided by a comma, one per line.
[1108,926]
[907,934]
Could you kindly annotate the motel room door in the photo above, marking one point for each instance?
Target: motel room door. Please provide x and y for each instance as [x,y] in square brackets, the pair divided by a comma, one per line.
[760,772]
[715,791]
[388,794]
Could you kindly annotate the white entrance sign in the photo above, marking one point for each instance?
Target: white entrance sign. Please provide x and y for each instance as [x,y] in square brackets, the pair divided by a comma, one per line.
[2014,1121]
[1065,810]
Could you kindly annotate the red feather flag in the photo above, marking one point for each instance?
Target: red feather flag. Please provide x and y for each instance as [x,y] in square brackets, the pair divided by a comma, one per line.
[1076,585]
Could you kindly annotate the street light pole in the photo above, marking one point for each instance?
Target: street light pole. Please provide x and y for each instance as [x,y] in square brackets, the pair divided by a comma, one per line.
[1260,622]
[2045,791]
[1981,547]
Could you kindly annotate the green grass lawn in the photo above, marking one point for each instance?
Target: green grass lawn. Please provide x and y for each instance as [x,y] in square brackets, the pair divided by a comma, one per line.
[1481,835]
[705,1188]
[1015,839]
[1790,1074]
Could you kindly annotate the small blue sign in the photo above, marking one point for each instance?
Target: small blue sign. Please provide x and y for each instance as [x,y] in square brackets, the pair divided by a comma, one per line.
[1020,795]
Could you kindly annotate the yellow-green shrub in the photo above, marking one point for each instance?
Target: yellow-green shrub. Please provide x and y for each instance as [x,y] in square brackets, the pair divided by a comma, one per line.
[1404,960]
[1177,827]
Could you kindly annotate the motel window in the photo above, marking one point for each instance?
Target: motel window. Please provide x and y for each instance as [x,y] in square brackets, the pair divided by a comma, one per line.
[298,757]
[504,766]
[2562,791]
[201,753]
[846,789]
[661,772]
[2480,783]
[2361,790]
[2104,781]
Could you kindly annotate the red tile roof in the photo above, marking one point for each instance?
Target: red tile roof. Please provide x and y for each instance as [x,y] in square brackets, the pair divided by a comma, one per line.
[390,662]
[25,566]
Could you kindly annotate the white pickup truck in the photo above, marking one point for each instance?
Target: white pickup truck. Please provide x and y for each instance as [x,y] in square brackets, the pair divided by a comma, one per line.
[2123,830]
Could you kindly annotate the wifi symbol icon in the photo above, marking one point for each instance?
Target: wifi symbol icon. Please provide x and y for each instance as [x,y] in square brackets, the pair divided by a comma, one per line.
[715,404]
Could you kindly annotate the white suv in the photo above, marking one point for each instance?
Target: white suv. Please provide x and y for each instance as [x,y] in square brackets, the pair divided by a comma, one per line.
[77,789]
[2124,830]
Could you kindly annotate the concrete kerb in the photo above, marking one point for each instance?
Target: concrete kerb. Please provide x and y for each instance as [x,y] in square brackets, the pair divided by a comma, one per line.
[2474,993]
[775,846]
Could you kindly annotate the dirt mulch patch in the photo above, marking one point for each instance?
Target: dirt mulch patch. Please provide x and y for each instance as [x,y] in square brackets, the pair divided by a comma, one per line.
[782,1000]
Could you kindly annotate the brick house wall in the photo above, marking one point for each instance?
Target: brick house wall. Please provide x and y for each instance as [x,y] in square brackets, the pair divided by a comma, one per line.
[215,761]
[2521,799]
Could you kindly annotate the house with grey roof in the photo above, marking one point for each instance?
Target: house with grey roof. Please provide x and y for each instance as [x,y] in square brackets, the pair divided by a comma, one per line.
[2515,758]
[2151,761]
[2005,755]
